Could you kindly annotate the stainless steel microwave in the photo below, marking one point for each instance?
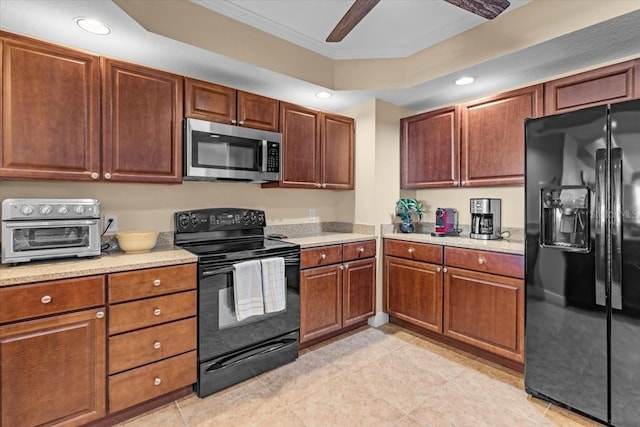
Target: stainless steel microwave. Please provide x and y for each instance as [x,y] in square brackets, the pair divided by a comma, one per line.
[222,152]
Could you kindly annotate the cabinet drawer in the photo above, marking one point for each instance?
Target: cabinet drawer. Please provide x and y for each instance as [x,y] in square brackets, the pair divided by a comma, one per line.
[41,299]
[148,345]
[138,284]
[323,255]
[153,311]
[359,250]
[141,384]
[414,251]
[486,262]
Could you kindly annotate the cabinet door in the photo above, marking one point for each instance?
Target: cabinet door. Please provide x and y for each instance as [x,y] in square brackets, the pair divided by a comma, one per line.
[337,152]
[413,292]
[209,101]
[300,146]
[596,87]
[258,112]
[358,291]
[429,147]
[52,370]
[50,111]
[486,311]
[320,301]
[493,137]
[142,124]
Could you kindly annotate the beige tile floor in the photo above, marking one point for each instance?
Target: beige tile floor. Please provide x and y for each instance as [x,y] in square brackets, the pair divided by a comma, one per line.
[373,377]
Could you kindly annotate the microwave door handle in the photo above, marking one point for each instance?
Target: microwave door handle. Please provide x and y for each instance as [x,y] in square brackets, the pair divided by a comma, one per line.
[601,221]
[616,228]
[264,151]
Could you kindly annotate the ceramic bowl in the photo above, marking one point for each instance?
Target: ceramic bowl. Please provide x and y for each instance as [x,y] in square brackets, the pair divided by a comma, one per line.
[137,241]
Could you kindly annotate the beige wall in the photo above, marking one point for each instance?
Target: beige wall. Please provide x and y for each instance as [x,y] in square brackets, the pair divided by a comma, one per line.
[151,206]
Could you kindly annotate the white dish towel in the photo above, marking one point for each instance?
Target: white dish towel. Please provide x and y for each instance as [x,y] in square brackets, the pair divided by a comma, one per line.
[247,289]
[274,284]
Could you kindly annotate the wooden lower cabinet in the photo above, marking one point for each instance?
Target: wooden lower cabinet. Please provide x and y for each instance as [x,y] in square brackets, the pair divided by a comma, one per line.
[486,311]
[52,370]
[338,296]
[414,292]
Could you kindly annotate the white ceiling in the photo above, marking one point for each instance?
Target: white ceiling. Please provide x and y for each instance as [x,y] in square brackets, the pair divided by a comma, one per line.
[391,29]
[394,28]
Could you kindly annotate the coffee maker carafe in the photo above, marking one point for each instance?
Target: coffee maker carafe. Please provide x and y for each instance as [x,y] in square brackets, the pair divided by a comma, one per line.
[485,219]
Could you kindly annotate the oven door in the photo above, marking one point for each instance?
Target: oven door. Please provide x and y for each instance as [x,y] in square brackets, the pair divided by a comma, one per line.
[219,332]
[24,241]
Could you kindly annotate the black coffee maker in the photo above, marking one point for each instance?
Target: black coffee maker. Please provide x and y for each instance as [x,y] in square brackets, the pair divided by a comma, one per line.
[485,219]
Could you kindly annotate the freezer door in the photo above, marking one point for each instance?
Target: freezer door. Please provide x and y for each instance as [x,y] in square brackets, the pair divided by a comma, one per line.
[625,259]
[566,327]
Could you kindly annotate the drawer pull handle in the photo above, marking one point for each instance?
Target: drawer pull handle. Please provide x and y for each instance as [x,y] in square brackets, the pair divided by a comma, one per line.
[46,299]
[410,250]
[157,381]
[361,249]
[100,314]
[445,269]
[157,312]
[481,261]
[156,282]
[156,345]
[323,256]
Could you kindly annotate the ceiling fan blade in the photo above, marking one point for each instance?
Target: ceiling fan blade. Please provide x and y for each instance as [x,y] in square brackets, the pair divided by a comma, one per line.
[354,15]
[488,9]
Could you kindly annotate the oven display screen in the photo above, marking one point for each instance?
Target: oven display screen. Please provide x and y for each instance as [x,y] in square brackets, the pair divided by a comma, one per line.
[226,219]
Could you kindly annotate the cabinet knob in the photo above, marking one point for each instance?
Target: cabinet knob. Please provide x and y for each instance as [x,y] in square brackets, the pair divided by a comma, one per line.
[157,381]
[361,249]
[233,121]
[323,256]
[438,269]
[410,250]
[241,122]
[445,269]
[157,345]
[156,282]
[100,314]
[95,175]
[318,185]
[157,312]
[346,266]
[481,261]
[107,175]
[324,185]
[46,299]
[341,267]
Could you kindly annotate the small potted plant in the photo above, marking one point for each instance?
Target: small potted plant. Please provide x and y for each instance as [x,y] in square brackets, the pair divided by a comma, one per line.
[406,210]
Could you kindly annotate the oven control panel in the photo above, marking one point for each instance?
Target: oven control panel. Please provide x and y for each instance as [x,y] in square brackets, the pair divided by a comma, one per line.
[218,219]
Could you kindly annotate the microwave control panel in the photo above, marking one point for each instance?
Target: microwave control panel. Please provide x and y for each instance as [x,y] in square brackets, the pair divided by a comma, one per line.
[273,157]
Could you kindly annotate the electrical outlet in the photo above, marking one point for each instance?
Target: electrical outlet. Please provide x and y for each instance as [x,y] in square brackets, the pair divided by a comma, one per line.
[312,213]
[114,223]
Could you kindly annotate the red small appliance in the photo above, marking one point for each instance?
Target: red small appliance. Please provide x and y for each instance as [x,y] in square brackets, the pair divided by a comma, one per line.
[446,222]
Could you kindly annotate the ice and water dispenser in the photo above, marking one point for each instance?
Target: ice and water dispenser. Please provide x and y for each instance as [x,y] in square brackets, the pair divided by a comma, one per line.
[565,218]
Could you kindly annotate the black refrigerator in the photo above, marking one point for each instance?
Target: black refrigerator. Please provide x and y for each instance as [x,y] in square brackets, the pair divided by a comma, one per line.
[582,222]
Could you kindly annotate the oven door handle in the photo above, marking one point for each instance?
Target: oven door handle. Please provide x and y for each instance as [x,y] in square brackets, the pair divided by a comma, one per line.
[54,223]
[240,357]
[216,271]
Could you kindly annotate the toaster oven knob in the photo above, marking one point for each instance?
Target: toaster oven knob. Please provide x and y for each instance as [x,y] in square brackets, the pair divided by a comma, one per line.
[79,209]
[45,209]
[26,210]
[63,210]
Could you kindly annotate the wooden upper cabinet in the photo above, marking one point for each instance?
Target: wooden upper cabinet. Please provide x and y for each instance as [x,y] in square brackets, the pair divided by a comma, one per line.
[492,138]
[429,147]
[300,128]
[50,111]
[142,124]
[337,155]
[216,103]
[615,83]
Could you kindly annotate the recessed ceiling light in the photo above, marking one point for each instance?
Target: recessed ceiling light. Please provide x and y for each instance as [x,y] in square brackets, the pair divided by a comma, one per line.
[323,95]
[465,80]
[93,26]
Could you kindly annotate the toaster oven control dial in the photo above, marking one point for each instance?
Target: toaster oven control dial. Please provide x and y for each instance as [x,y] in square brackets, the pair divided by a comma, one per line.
[79,209]
[26,210]
[45,209]
[63,210]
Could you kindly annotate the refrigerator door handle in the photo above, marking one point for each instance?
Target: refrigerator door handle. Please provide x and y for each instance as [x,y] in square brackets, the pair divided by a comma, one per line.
[601,221]
[616,228]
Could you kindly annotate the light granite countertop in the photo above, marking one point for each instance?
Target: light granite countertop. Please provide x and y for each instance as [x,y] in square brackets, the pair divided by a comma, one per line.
[328,238]
[503,245]
[108,262]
